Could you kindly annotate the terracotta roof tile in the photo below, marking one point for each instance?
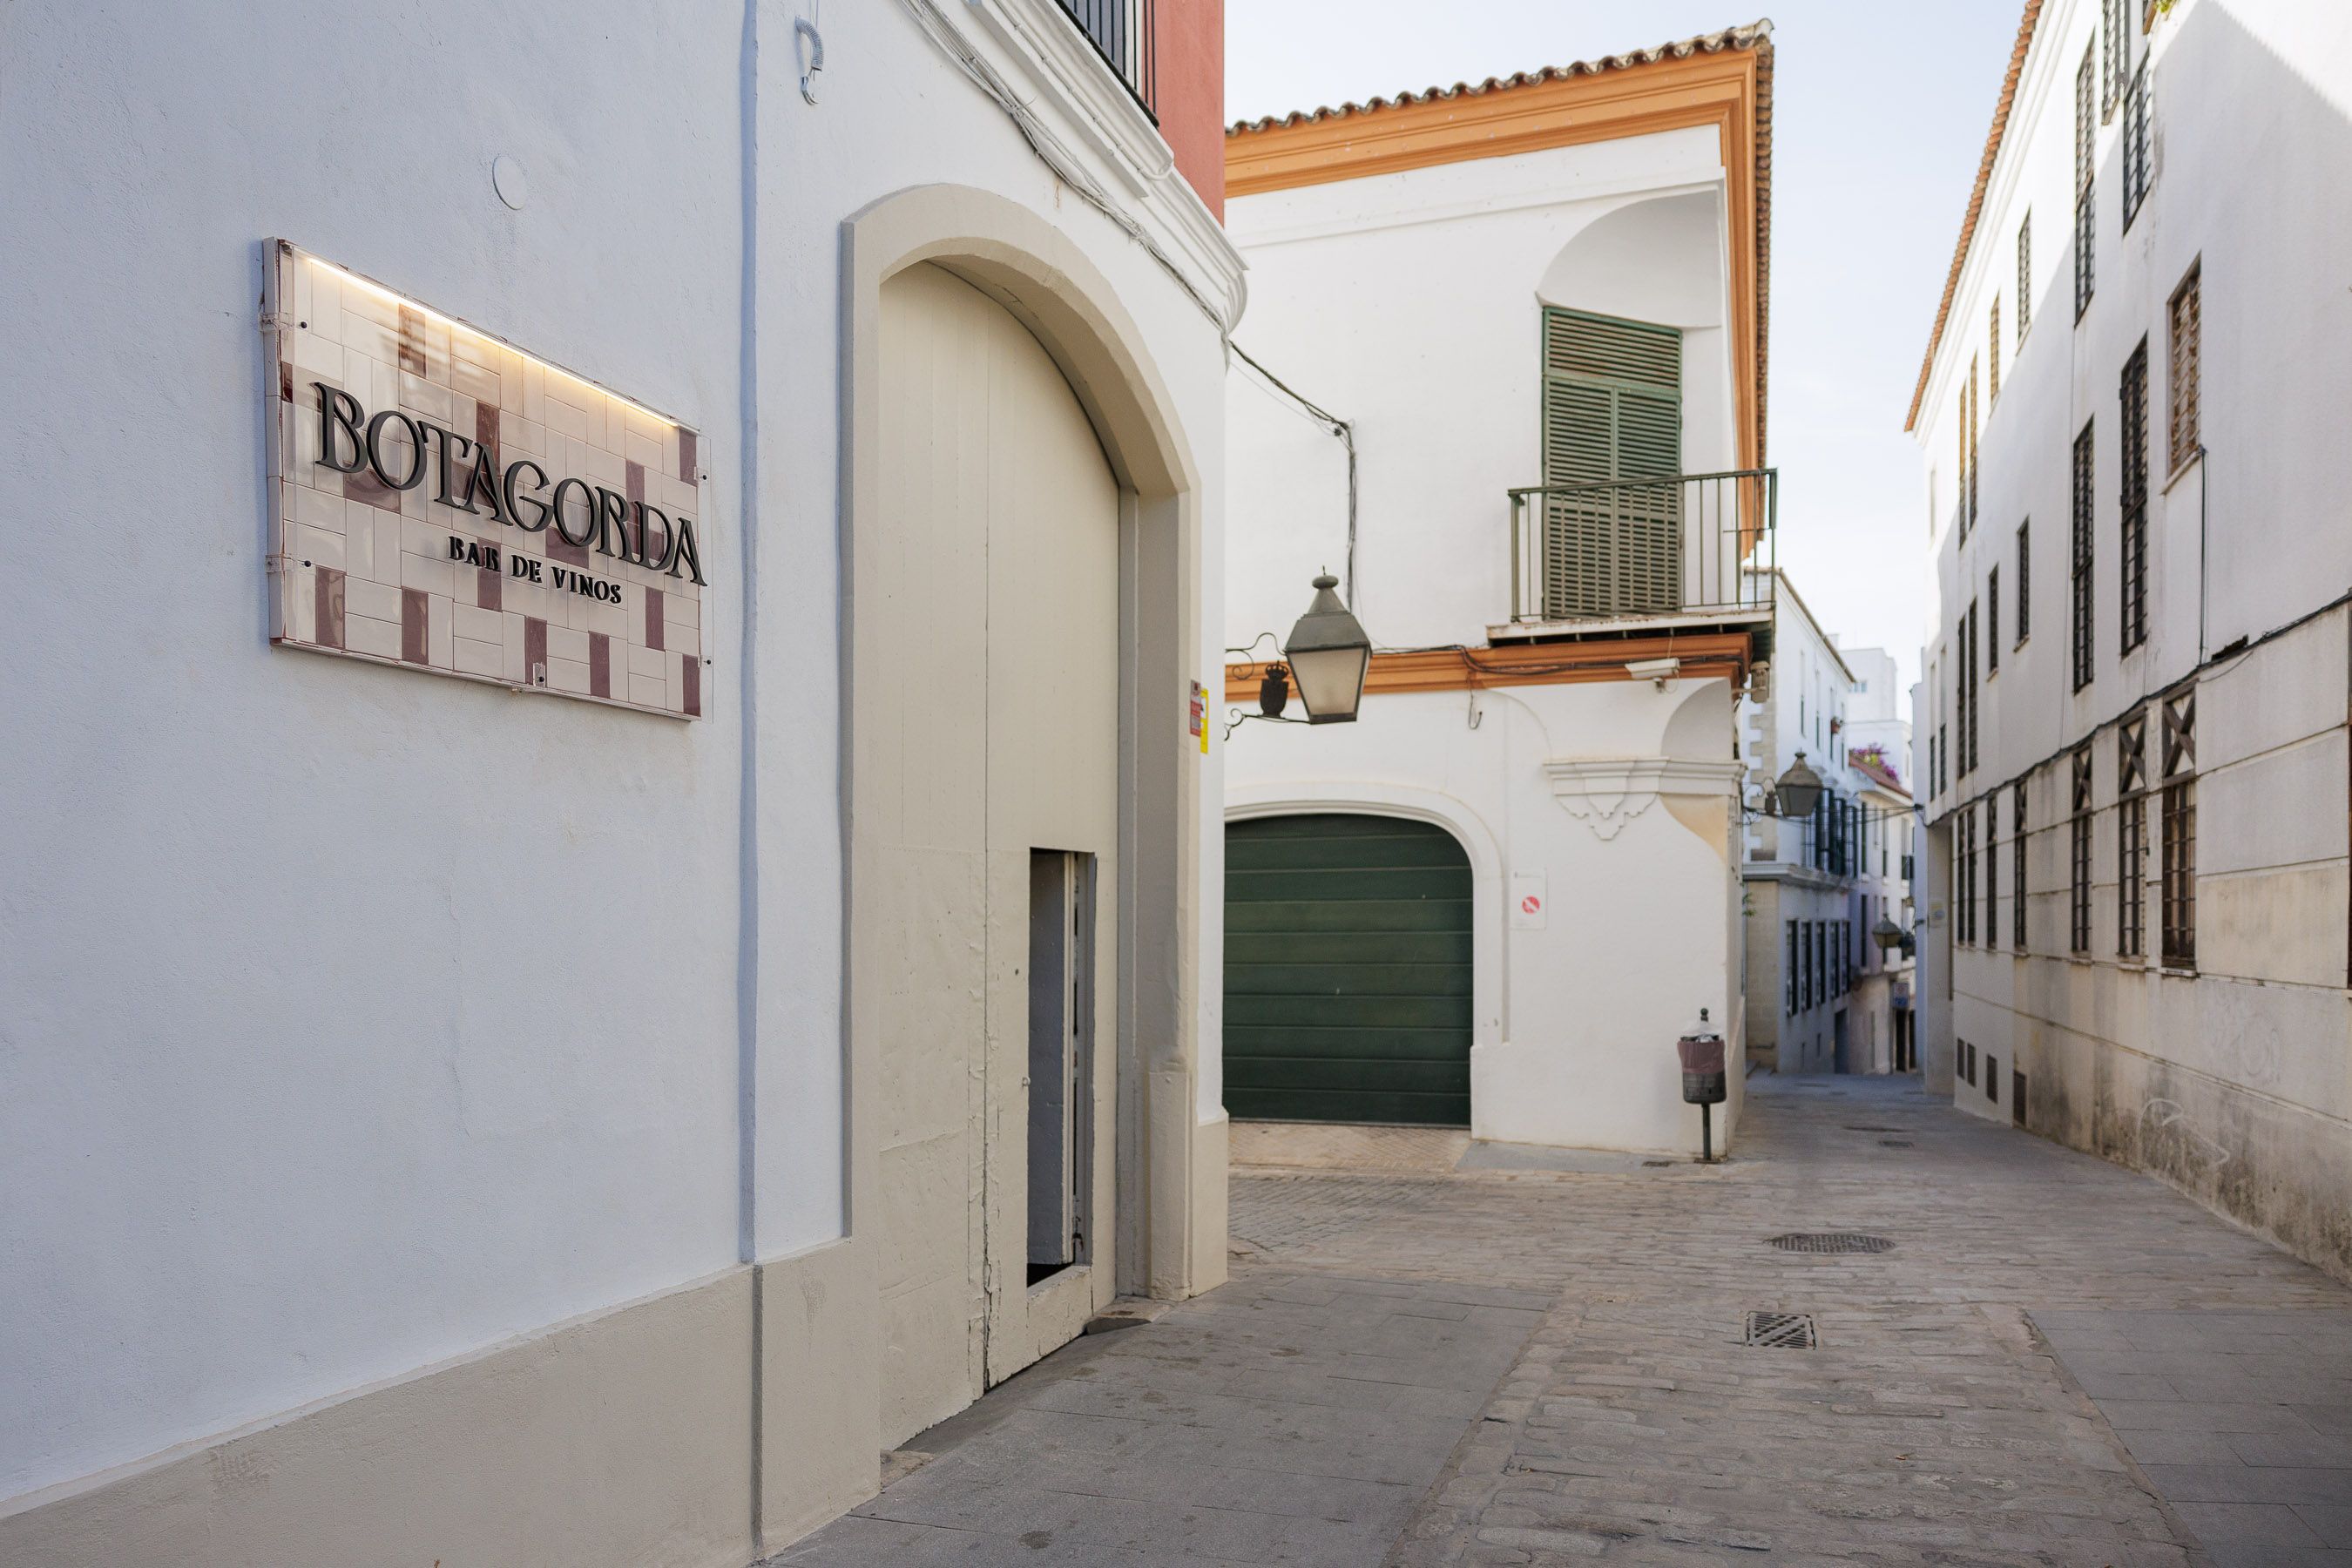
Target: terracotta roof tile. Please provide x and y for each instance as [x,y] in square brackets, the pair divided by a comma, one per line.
[1976,201]
[1756,35]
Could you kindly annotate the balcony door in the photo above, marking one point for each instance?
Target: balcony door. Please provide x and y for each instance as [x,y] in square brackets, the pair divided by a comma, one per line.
[1612,411]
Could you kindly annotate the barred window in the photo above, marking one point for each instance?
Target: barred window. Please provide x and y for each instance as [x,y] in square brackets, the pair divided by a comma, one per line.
[1992,619]
[2131,835]
[1968,693]
[2081,556]
[2085,173]
[2024,581]
[1793,973]
[1968,505]
[1992,352]
[2017,866]
[2113,56]
[1964,857]
[2078,938]
[2025,276]
[1991,871]
[2186,311]
[2132,630]
[2139,167]
[2179,898]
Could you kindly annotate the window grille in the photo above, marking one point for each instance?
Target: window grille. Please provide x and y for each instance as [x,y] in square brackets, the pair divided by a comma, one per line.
[1992,619]
[2079,856]
[2080,557]
[2025,276]
[2112,57]
[1964,859]
[1968,693]
[1968,517]
[2132,396]
[2131,835]
[1992,352]
[2024,580]
[1794,973]
[2186,309]
[2017,866]
[2139,168]
[2086,171]
[1991,871]
[2180,897]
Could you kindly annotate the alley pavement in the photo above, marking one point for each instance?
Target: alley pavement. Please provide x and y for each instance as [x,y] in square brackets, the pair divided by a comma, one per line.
[2034,1358]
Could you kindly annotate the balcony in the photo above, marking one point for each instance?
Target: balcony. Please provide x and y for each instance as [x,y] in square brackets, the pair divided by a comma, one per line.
[1587,557]
[1122,33]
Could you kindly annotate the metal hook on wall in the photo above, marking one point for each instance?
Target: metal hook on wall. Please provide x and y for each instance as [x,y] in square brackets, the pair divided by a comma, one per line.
[813,61]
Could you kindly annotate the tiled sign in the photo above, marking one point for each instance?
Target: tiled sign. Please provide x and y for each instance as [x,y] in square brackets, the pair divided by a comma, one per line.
[443,501]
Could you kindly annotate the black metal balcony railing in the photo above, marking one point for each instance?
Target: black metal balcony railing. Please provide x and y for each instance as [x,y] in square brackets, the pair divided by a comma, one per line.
[1690,544]
[1122,33]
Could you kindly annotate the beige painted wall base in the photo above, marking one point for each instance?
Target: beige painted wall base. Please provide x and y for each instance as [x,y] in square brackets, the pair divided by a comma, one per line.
[623,1440]
[1212,1148]
[820,1353]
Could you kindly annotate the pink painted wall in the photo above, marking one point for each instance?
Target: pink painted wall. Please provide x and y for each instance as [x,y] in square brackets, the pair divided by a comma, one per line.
[1189,39]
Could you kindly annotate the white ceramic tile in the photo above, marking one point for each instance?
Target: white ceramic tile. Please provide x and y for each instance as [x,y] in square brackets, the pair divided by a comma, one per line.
[473,657]
[314,545]
[380,601]
[567,675]
[647,691]
[365,634]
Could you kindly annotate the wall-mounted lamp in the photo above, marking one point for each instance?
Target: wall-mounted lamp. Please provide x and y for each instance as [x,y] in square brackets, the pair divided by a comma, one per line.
[1886,934]
[1327,655]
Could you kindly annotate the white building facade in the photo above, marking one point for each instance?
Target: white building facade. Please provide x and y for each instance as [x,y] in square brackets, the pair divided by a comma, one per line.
[1499,897]
[500,1064]
[1822,996]
[2135,694]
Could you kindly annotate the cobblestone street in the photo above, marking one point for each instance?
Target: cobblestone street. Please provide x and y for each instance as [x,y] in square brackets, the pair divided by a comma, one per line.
[2054,1361]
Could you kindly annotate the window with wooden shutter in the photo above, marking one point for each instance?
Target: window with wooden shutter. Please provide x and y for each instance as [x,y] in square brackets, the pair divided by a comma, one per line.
[1968,516]
[2186,309]
[2132,396]
[1992,620]
[1991,871]
[1613,410]
[2079,856]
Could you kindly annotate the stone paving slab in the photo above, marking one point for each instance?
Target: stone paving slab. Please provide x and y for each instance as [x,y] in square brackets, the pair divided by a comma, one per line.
[2242,1421]
[1294,1419]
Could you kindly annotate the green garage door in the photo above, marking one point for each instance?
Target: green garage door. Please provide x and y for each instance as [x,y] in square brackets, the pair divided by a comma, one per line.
[1347,970]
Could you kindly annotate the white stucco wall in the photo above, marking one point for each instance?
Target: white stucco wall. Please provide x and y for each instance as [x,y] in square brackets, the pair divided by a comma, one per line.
[2252,123]
[1409,304]
[354,1019]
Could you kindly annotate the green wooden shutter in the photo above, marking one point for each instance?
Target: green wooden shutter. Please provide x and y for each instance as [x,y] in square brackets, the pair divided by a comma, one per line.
[1613,409]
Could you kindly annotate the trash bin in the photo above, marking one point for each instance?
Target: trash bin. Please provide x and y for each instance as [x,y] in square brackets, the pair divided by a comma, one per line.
[1701,1050]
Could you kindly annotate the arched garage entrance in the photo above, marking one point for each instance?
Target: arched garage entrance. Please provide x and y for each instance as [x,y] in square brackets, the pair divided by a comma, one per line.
[1348,970]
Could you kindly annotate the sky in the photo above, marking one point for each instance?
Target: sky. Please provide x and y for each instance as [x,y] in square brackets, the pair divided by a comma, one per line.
[1880,109]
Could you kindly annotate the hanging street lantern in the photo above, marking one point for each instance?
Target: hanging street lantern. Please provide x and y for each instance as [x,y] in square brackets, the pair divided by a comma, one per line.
[1797,791]
[1329,655]
[1886,934]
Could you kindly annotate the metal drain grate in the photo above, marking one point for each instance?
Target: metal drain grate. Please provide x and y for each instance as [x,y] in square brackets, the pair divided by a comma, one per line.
[1832,1241]
[1781,1330]
[1895,1143]
[1858,1127]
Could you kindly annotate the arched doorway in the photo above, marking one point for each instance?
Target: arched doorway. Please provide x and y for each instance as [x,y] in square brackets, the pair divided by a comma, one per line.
[1348,970]
[990,764]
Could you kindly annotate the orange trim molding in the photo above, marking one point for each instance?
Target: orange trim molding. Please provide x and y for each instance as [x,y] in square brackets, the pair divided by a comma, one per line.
[1705,656]
[1728,90]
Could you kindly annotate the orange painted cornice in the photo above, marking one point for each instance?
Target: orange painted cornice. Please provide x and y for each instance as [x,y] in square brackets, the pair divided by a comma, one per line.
[1728,91]
[1703,655]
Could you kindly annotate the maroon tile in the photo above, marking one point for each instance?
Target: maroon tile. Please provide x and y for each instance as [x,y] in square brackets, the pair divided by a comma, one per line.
[412,341]
[599,665]
[489,591]
[486,429]
[653,617]
[414,648]
[686,445]
[364,486]
[692,670]
[561,548]
[633,485]
[329,616]
[285,382]
[534,650]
